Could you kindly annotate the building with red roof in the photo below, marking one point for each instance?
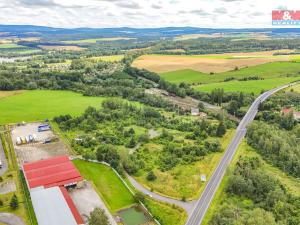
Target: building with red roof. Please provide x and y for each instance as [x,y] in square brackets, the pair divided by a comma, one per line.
[47,181]
[286,111]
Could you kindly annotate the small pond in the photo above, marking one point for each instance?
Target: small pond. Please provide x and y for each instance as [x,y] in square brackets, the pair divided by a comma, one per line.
[134,216]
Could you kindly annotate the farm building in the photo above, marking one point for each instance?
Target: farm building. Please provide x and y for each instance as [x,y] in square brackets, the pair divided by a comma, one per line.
[286,111]
[194,111]
[48,181]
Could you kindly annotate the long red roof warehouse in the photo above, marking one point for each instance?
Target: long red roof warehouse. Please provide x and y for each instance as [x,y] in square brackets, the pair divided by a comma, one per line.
[71,205]
[58,171]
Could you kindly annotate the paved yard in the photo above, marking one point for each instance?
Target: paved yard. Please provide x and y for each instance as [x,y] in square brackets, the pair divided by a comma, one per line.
[7,187]
[36,151]
[10,219]
[86,200]
[3,160]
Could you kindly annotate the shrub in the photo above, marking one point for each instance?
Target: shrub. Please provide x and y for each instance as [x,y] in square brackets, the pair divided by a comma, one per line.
[151,176]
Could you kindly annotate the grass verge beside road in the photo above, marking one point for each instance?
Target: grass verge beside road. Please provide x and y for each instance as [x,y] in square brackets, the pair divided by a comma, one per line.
[166,214]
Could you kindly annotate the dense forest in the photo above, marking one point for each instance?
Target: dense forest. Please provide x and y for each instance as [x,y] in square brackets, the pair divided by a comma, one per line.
[222,45]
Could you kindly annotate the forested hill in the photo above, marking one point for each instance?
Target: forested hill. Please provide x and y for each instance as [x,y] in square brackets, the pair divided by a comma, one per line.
[22,30]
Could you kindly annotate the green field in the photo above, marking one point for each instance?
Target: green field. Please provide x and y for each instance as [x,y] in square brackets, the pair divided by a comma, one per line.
[41,104]
[255,86]
[108,184]
[268,70]
[10,46]
[295,58]
[94,40]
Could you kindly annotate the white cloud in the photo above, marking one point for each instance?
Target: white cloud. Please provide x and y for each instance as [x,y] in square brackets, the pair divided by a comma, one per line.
[142,13]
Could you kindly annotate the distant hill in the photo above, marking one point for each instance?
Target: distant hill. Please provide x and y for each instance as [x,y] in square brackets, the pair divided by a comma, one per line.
[40,31]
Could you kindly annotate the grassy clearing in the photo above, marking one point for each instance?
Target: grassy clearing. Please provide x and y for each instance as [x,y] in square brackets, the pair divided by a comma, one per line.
[255,86]
[183,180]
[40,104]
[295,88]
[166,214]
[10,46]
[94,40]
[268,70]
[108,184]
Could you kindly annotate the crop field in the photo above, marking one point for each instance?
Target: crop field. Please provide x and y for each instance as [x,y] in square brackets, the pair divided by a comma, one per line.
[236,37]
[108,184]
[206,63]
[94,40]
[61,47]
[196,36]
[269,70]
[11,46]
[40,104]
[255,86]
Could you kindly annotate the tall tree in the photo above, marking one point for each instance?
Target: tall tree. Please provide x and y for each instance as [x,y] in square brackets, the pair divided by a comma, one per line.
[14,202]
[98,217]
[221,130]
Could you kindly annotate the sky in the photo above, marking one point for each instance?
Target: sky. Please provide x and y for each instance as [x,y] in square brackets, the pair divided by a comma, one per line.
[143,13]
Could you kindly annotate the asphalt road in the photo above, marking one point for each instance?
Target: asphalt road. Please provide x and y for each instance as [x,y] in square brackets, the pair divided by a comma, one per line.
[207,195]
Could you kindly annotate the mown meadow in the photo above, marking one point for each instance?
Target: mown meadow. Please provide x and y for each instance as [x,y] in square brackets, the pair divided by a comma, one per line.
[43,104]
[252,79]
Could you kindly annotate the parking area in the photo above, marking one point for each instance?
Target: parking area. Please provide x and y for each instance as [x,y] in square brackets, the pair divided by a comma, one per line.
[4,165]
[36,149]
[86,200]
